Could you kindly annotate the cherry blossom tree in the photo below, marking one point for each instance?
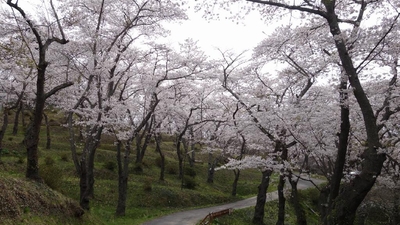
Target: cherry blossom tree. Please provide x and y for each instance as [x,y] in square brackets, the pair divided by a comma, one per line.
[44,38]
[109,39]
[346,26]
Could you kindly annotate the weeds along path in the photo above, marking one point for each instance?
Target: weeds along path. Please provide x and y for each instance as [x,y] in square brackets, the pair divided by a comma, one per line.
[191,217]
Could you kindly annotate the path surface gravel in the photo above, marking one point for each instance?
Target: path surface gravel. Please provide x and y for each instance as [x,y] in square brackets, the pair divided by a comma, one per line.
[191,217]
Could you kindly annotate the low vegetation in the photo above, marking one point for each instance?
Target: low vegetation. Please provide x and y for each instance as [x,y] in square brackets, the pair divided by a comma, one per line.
[55,201]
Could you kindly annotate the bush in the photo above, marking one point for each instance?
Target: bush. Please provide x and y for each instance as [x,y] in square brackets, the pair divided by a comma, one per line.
[171,170]
[51,175]
[158,162]
[189,183]
[64,157]
[49,161]
[147,187]
[190,171]
[4,152]
[21,160]
[138,168]
[110,165]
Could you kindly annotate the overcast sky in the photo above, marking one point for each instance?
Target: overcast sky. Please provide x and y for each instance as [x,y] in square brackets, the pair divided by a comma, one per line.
[224,33]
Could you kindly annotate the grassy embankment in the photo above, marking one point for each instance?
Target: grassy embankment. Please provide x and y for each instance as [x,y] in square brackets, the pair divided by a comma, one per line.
[147,196]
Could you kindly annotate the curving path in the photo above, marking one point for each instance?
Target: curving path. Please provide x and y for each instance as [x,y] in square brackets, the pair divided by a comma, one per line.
[192,217]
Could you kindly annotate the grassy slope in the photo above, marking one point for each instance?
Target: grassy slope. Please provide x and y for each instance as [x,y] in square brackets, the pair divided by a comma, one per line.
[143,204]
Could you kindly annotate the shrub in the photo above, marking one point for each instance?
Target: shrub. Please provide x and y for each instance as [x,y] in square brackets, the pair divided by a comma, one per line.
[49,161]
[158,162]
[190,171]
[189,183]
[110,165]
[147,185]
[171,170]
[138,168]
[51,175]
[21,160]
[4,152]
[64,157]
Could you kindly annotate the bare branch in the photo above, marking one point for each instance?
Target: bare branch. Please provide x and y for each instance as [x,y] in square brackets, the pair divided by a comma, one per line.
[58,88]
[369,57]
[291,7]
[58,20]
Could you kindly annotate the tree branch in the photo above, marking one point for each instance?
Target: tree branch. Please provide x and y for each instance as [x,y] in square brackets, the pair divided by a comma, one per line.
[58,88]
[291,7]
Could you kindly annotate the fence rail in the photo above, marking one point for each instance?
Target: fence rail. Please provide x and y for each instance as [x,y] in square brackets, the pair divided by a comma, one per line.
[211,216]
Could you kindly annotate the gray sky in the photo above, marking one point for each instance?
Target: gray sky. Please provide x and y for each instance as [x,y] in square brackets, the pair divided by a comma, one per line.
[224,33]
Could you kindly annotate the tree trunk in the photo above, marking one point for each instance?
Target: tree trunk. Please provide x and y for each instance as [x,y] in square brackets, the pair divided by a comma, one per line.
[146,134]
[32,134]
[295,201]
[120,211]
[3,129]
[123,174]
[395,210]
[235,181]
[211,168]
[258,217]
[138,139]
[48,138]
[23,121]
[346,204]
[158,140]
[192,155]
[180,158]
[16,118]
[281,201]
[72,143]
[83,186]
[342,146]
[33,131]
[87,166]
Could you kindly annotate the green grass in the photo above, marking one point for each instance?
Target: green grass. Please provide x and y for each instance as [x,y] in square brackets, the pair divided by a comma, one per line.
[309,199]
[165,196]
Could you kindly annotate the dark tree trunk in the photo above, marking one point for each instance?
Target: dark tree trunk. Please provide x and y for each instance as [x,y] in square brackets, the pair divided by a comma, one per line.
[158,140]
[83,187]
[258,217]
[180,157]
[138,139]
[242,152]
[342,147]
[281,201]
[280,146]
[87,166]
[123,162]
[32,134]
[23,121]
[123,173]
[395,210]
[72,143]
[295,201]
[235,181]
[344,207]
[16,118]
[33,131]
[3,129]
[323,202]
[48,138]
[192,155]
[146,134]
[211,168]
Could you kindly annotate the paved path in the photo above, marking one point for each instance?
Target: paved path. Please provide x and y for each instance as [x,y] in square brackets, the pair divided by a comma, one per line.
[192,217]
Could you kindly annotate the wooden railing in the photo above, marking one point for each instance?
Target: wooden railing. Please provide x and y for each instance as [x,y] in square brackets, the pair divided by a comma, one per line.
[211,216]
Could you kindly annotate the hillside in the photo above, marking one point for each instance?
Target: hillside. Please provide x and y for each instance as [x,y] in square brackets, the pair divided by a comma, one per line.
[31,203]
[27,202]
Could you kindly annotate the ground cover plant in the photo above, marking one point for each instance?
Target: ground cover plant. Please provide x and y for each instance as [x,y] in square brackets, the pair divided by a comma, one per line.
[147,196]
